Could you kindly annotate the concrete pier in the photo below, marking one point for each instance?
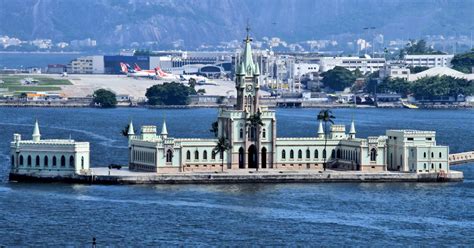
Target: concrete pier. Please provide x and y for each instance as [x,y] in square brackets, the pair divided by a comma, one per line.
[124,176]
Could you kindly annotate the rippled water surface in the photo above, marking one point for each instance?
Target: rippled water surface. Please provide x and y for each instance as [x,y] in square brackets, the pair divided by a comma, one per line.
[333,214]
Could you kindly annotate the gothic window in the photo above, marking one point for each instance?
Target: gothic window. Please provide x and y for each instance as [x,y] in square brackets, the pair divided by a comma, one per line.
[188,155]
[283,154]
[169,156]
[424,155]
[213,155]
[432,155]
[196,155]
[204,155]
[440,165]
[46,161]
[71,161]
[264,133]
[373,154]
[424,166]
[37,162]
[21,159]
[292,154]
[316,155]
[308,153]
[300,154]
[440,155]
[432,166]
[63,161]
[29,160]
[241,133]
[82,162]
[55,162]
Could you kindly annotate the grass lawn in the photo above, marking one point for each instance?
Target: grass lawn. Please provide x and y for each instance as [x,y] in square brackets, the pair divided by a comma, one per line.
[13,83]
[33,88]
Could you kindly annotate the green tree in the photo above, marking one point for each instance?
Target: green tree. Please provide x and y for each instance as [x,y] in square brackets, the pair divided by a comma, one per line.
[105,98]
[418,69]
[463,62]
[221,147]
[445,86]
[169,94]
[338,78]
[395,85]
[417,47]
[325,115]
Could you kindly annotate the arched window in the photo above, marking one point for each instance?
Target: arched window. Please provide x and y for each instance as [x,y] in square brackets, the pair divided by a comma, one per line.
[283,154]
[241,158]
[264,133]
[71,161]
[21,159]
[188,155]
[316,153]
[338,154]
[204,155]
[324,153]
[424,155]
[82,162]
[300,154]
[432,155]
[213,155]
[196,155]
[440,165]
[440,155]
[169,156]
[37,162]
[432,166]
[13,160]
[241,133]
[29,160]
[308,153]
[45,161]
[333,154]
[292,154]
[424,166]
[55,162]
[373,154]
[63,161]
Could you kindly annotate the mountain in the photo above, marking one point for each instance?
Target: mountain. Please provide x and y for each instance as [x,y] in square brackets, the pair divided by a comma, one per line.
[196,22]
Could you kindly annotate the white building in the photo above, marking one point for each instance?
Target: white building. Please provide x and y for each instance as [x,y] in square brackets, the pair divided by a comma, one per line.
[394,72]
[416,151]
[87,65]
[428,60]
[301,69]
[364,64]
[48,157]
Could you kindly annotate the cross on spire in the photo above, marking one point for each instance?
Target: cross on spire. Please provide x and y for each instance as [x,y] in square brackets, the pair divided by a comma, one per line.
[247,29]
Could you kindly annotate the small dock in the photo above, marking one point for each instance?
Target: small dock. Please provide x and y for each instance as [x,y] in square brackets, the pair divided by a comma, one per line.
[461,158]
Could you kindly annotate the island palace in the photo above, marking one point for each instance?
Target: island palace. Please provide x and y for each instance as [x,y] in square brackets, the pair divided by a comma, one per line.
[249,130]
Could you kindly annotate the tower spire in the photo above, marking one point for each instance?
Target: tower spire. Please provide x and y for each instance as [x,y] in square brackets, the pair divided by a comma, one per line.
[164,130]
[352,131]
[320,130]
[131,130]
[36,132]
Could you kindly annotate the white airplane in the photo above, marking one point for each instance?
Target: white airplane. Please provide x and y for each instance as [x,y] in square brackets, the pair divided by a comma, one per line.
[160,74]
[199,79]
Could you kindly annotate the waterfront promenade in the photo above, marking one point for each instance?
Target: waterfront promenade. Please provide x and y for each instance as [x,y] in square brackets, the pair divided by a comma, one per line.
[103,175]
[461,158]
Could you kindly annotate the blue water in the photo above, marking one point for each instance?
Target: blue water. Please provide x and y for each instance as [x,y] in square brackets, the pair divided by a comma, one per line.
[41,60]
[337,214]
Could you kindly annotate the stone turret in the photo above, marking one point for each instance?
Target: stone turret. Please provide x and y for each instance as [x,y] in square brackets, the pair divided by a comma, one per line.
[164,130]
[320,130]
[36,133]
[352,131]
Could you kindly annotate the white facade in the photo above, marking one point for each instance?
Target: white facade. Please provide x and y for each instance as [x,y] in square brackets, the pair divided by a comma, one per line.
[48,157]
[394,72]
[301,69]
[87,65]
[416,151]
[428,60]
[364,64]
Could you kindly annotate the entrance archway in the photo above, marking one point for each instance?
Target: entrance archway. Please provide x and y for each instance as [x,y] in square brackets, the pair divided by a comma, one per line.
[241,158]
[264,158]
[252,157]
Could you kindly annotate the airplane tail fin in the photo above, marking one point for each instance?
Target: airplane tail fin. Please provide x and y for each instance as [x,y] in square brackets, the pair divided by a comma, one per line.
[137,68]
[123,67]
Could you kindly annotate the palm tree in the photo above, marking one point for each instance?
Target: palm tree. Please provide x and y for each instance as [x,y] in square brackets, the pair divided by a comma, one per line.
[222,146]
[214,128]
[255,119]
[326,116]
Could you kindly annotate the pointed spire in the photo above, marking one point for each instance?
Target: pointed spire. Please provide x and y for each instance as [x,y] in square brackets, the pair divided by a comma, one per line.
[131,130]
[247,67]
[36,132]
[164,130]
[320,130]
[353,129]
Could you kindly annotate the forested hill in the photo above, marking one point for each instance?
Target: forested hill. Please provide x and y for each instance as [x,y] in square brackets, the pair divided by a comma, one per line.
[120,22]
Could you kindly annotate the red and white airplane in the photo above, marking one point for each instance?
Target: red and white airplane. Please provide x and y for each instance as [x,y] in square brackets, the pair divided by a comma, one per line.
[160,74]
[137,71]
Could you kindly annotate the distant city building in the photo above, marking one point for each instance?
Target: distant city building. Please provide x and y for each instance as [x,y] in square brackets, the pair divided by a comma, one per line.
[87,65]
[428,60]
[56,68]
[394,72]
[364,64]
